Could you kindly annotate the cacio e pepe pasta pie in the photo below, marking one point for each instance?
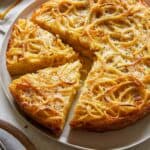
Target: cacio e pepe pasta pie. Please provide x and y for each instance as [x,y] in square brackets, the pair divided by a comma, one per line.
[115,35]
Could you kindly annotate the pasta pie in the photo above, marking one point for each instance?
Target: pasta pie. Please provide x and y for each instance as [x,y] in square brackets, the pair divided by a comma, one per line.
[46,96]
[114,34]
[32,48]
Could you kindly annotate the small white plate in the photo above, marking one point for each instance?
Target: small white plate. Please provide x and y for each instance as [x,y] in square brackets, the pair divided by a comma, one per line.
[120,139]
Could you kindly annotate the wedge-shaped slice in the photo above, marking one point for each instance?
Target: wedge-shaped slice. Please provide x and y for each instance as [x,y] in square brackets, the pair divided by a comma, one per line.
[46,96]
[32,48]
[113,98]
[84,23]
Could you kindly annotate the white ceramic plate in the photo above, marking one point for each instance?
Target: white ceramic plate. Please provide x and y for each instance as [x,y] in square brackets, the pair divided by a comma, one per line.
[121,139]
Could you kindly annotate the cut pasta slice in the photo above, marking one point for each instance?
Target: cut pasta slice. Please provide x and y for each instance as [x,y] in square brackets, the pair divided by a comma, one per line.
[84,23]
[32,48]
[113,98]
[46,96]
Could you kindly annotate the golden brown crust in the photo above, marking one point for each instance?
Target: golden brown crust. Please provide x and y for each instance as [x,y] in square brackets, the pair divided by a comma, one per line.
[114,124]
[31,48]
[47,95]
[55,126]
